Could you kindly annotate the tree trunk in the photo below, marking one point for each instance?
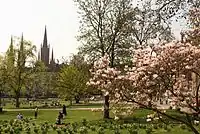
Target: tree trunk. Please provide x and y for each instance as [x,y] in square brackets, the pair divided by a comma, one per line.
[0,102]
[77,99]
[70,101]
[17,101]
[1,109]
[106,107]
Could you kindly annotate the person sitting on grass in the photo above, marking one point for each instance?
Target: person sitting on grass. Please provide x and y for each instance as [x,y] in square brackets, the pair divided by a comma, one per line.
[19,116]
[59,119]
[60,115]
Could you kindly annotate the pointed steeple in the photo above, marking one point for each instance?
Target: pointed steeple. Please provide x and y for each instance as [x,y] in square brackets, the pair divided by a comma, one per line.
[22,43]
[52,58]
[39,56]
[11,41]
[45,38]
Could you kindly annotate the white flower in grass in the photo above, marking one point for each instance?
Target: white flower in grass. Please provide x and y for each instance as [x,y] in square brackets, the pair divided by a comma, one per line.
[148,116]
[196,122]
[116,118]
[156,118]
[148,120]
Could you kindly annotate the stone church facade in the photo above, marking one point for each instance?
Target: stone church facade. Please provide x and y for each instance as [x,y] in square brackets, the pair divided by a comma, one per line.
[44,54]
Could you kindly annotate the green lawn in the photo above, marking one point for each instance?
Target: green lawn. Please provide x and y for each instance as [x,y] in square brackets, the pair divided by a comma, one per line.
[51,115]
[109,127]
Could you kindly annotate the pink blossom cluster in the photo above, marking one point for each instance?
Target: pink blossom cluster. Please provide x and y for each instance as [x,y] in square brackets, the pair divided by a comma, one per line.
[170,71]
[194,16]
[103,75]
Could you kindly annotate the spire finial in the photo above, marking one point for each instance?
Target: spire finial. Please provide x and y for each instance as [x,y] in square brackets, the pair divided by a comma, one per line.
[11,40]
[22,36]
[22,40]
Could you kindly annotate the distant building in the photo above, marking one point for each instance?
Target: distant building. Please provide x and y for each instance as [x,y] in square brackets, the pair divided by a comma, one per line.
[44,55]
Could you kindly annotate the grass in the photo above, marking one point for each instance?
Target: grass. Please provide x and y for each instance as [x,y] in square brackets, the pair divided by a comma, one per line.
[92,117]
[51,115]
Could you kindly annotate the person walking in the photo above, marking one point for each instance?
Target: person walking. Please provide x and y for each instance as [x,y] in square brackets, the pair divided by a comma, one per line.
[36,112]
[64,110]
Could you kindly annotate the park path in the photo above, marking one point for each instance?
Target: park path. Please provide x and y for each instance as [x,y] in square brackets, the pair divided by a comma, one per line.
[163,106]
[52,109]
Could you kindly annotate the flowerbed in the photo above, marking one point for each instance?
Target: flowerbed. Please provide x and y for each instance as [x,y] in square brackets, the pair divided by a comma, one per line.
[27,126]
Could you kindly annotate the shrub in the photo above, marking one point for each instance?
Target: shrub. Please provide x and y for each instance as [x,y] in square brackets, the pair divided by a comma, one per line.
[59,131]
[84,122]
[155,126]
[149,130]
[132,131]
[64,129]
[101,130]
[93,128]
[36,130]
[83,130]
[117,131]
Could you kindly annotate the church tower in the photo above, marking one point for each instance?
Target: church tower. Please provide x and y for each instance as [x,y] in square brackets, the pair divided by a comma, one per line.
[52,62]
[45,50]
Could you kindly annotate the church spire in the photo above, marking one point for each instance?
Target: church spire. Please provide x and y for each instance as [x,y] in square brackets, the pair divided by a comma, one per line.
[11,40]
[39,56]
[52,58]
[22,43]
[45,38]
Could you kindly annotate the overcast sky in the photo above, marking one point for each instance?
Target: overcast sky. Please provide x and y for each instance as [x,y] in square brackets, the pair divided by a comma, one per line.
[31,16]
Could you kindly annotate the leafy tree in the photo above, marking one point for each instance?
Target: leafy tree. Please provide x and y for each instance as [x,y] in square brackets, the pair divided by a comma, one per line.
[170,71]
[104,30]
[166,71]
[78,61]
[71,83]
[113,27]
[37,80]
[19,63]
[3,79]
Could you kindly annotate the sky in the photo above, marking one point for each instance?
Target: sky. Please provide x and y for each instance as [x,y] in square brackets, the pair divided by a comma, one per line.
[30,17]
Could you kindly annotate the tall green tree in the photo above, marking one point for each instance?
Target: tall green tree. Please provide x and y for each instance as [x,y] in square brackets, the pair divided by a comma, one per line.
[78,61]
[20,59]
[104,30]
[37,81]
[3,79]
[71,83]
